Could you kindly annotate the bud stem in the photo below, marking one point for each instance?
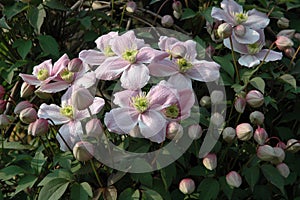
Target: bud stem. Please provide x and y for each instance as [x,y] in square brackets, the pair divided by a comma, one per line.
[294,56]
[234,60]
[95,172]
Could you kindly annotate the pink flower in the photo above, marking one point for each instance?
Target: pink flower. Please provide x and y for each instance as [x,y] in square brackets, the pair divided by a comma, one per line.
[210,161]
[234,179]
[143,110]
[183,67]
[187,186]
[69,116]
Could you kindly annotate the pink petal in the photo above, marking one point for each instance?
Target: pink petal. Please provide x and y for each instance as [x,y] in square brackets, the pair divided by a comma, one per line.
[92,57]
[47,64]
[272,56]
[204,71]
[52,112]
[54,87]
[237,47]
[163,68]
[250,37]
[165,42]
[123,43]
[248,60]
[111,68]
[60,64]
[95,108]
[71,134]
[103,41]
[86,80]
[135,77]
[123,98]
[220,14]
[180,81]
[186,102]
[257,20]
[230,6]
[30,79]
[147,54]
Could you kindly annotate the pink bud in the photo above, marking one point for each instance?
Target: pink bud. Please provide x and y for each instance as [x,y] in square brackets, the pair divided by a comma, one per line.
[233,179]
[210,50]
[217,97]
[26,90]
[21,106]
[177,6]
[83,151]
[2,92]
[4,121]
[293,145]
[131,6]
[94,127]
[75,65]
[283,169]
[289,33]
[244,131]
[240,104]
[281,145]
[240,30]
[174,131]
[283,22]
[260,135]
[210,161]
[255,98]
[297,36]
[217,119]
[228,134]
[279,155]
[289,52]
[187,186]
[265,153]
[257,118]
[195,131]
[28,115]
[167,21]
[82,98]
[39,127]
[176,14]
[283,42]
[224,30]
[2,105]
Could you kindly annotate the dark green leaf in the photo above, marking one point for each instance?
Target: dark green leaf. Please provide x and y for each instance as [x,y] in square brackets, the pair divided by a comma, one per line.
[258,83]
[10,171]
[86,22]
[15,145]
[188,13]
[81,191]
[209,189]
[167,174]
[207,15]
[143,178]
[25,182]
[262,192]
[289,79]
[226,65]
[273,176]
[13,10]
[58,173]
[3,23]
[54,189]
[23,47]
[252,176]
[54,4]
[36,17]
[130,194]
[228,191]
[49,45]
[148,194]
[238,88]
[38,161]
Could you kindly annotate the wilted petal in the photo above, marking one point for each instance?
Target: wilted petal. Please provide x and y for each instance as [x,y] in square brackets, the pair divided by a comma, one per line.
[54,87]
[257,20]
[52,112]
[123,98]
[204,71]
[92,57]
[250,37]
[135,77]
[163,68]
[272,55]
[111,68]
[249,60]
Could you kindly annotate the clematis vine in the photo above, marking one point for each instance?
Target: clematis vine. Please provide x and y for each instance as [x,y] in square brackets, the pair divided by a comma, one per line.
[245,24]
[181,65]
[69,117]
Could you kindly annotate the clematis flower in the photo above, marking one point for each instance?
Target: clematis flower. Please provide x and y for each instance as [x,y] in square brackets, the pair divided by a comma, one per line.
[129,61]
[183,67]
[245,24]
[143,111]
[69,117]
[253,54]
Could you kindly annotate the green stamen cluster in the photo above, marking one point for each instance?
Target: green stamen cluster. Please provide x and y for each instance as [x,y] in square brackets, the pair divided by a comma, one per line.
[130,55]
[172,111]
[254,48]
[241,17]
[67,111]
[42,74]
[140,103]
[108,52]
[67,76]
[184,65]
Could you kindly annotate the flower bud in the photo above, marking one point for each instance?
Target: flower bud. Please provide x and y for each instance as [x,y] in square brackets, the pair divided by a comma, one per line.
[240,30]
[233,179]
[28,115]
[255,98]
[257,118]
[174,131]
[217,97]
[195,131]
[224,30]
[228,134]
[279,155]
[217,119]
[42,95]
[26,90]
[83,151]
[283,42]
[4,121]
[297,36]
[176,14]
[82,98]
[75,65]
[131,6]
[289,33]
[260,135]
[178,51]
[94,127]
[210,161]
[167,21]
[265,153]
[135,132]
[283,169]
[2,92]
[293,145]
[177,6]
[2,105]
[205,101]
[244,131]
[281,145]
[289,52]
[210,50]
[283,23]
[21,106]
[240,104]
[187,186]
[39,127]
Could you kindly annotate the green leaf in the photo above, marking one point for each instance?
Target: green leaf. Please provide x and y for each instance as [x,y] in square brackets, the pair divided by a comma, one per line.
[252,176]
[130,194]
[228,191]
[148,194]
[209,189]
[48,45]
[143,178]
[10,171]
[86,22]
[23,47]
[54,4]
[167,174]
[3,23]
[258,83]
[25,182]
[262,192]
[188,13]
[36,17]
[15,145]
[58,173]
[207,15]
[273,176]
[54,189]
[289,79]
[38,161]
[13,10]
[238,88]
[81,191]
[226,65]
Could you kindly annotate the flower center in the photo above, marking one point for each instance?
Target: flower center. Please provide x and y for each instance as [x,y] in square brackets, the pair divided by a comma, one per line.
[241,17]
[67,76]
[130,55]
[184,65]
[140,103]
[108,52]
[67,111]
[42,74]
[254,48]
[172,111]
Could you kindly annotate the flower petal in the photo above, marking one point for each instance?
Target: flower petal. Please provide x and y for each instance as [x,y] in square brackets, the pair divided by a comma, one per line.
[103,41]
[250,37]
[180,81]
[86,80]
[249,60]
[230,6]
[92,57]
[165,43]
[204,71]
[54,87]
[163,68]
[111,68]
[30,79]
[191,53]
[123,98]
[52,112]
[220,14]
[257,20]
[123,43]
[237,47]
[147,54]
[272,55]
[71,134]
[186,102]
[60,64]
[95,108]
[135,77]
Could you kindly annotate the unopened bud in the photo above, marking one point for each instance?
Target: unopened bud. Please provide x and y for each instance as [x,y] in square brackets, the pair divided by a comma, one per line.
[82,98]
[283,23]
[244,131]
[4,121]
[75,65]
[279,155]
[217,97]
[94,127]
[293,145]
[240,104]
[210,161]
[283,42]
[233,179]
[255,98]
[174,131]
[260,135]
[187,186]
[297,36]
[228,134]
[281,145]
[26,90]
[224,30]
[195,131]
[240,30]
[289,52]
[2,105]
[283,169]
[28,115]
[167,21]
[2,92]
[217,119]
[39,127]
[177,6]
[21,106]
[257,118]
[205,101]
[83,151]
[131,6]
[289,33]
[176,14]
[265,153]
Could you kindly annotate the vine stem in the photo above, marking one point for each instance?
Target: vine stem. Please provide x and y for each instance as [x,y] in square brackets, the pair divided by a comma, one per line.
[96,174]
[234,59]
[295,54]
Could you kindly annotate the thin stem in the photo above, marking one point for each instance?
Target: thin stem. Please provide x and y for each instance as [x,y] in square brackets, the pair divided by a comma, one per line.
[122,17]
[238,119]
[51,149]
[162,5]
[44,145]
[63,139]
[96,174]
[234,59]
[295,54]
